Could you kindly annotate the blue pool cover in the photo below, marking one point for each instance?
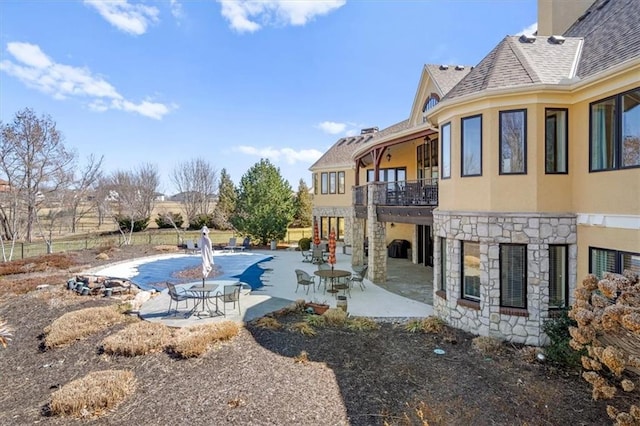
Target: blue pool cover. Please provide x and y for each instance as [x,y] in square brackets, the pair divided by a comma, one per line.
[244,267]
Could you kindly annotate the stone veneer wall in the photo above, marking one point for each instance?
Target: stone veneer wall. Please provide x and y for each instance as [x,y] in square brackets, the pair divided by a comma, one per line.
[345,212]
[490,229]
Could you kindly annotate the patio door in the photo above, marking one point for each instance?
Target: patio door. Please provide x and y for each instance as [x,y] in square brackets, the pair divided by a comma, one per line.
[424,245]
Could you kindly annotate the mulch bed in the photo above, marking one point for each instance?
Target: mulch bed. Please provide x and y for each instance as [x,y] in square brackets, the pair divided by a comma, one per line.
[352,377]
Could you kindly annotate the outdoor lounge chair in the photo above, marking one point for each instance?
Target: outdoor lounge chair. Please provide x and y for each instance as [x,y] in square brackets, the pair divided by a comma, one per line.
[305,279]
[306,255]
[230,294]
[191,247]
[232,246]
[358,277]
[179,295]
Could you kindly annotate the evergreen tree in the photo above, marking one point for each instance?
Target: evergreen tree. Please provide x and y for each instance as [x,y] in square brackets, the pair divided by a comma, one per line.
[227,199]
[303,205]
[265,204]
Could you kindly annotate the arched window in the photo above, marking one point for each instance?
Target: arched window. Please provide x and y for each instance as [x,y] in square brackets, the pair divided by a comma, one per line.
[431,101]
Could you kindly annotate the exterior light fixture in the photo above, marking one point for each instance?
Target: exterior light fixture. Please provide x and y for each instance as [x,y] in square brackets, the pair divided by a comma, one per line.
[389,157]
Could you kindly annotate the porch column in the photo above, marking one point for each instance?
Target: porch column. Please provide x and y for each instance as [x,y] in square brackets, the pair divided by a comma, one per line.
[357,240]
[377,233]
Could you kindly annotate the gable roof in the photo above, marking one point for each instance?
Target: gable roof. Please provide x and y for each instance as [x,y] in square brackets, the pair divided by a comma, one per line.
[611,32]
[517,62]
[445,77]
[339,155]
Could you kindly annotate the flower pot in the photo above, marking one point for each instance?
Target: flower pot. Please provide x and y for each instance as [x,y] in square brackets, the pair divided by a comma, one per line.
[318,308]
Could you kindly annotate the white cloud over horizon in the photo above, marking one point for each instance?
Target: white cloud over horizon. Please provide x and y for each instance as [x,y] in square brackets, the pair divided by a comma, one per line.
[252,15]
[287,155]
[131,18]
[176,9]
[332,127]
[38,71]
[530,30]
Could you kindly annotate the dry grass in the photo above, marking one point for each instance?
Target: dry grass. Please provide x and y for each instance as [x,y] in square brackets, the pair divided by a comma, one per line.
[302,358]
[433,325]
[268,323]
[23,285]
[79,324]
[335,317]
[140,338]
[303,328]
[362,324]
[37,264]
[487,345]
[5,333]
[92,394]
[194,341]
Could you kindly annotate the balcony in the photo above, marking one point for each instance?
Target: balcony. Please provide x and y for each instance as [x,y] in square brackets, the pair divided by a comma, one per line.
[401,193]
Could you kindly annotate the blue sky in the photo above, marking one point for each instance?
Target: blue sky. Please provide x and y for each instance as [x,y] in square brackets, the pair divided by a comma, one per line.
[166,81]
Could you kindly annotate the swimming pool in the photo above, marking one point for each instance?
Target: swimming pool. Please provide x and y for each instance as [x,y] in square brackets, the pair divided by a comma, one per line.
[241,266]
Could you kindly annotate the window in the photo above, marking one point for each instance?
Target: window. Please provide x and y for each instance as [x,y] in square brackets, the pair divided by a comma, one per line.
[443,264]
[315,183]
[556,136]
[340,182]
[605,260]
[558,277]
[472,146]
[615,132]
[471,271]
[513,275]
[513,142]
[388,175]
[324,183]
[327,223]
[445,137]
[332,183]
[431,101]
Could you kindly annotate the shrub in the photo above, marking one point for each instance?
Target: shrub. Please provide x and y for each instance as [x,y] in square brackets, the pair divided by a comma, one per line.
[362,324]
[432,325]
[79,324]
[487,345]
[140,338]
[335,317]
[304,243]
[167,220]
[303,328]
[124,223]
[413,326]
[201,220]
[194,341]
[93,393]
[559,351]
[302,358]
[268,323]
[315,320]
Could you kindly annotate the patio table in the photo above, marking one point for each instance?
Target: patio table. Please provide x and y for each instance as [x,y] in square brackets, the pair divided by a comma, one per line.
[332,274]
[205,294]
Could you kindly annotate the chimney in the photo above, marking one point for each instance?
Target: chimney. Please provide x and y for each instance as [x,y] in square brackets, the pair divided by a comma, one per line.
[556,16]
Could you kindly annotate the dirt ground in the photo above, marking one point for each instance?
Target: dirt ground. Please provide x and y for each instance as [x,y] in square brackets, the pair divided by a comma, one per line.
[384,376]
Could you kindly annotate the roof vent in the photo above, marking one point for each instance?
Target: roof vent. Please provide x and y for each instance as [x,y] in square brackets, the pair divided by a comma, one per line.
[369,130]
[444,67]
[556,39]
[524,38]
[459,67]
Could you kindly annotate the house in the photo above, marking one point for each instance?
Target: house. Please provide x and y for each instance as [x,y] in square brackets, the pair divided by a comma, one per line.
[519,178]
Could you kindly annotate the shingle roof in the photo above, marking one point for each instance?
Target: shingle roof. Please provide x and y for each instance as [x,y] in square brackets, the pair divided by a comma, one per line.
[339,155]
[611,32]
[446,77]
[514,62]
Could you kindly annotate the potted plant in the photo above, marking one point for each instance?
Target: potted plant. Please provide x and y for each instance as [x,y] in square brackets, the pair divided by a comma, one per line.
[319,308]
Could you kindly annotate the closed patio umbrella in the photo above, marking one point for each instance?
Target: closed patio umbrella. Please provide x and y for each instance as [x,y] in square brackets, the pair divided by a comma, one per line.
[207,253]
[316,233]
[332,248]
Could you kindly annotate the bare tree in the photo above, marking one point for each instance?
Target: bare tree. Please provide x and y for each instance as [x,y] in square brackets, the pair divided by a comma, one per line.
[35,162]
[134,193]
[196,181]
[82,185]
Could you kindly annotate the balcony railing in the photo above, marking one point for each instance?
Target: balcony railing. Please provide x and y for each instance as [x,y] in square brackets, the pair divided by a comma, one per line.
[401,193]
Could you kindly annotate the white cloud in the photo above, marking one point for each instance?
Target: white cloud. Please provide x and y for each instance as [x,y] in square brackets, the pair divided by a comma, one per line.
[251,15]
[36,70]
[288,155]
[130,18]
[529,30]
[331,127]
[176,9]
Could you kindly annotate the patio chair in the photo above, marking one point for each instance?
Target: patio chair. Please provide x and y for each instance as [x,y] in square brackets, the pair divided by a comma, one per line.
[232,246]
[191,247]
[230,294]
[358,277]
[306,256]
[323,266]
[317,256]
[179,295]
[305,279]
